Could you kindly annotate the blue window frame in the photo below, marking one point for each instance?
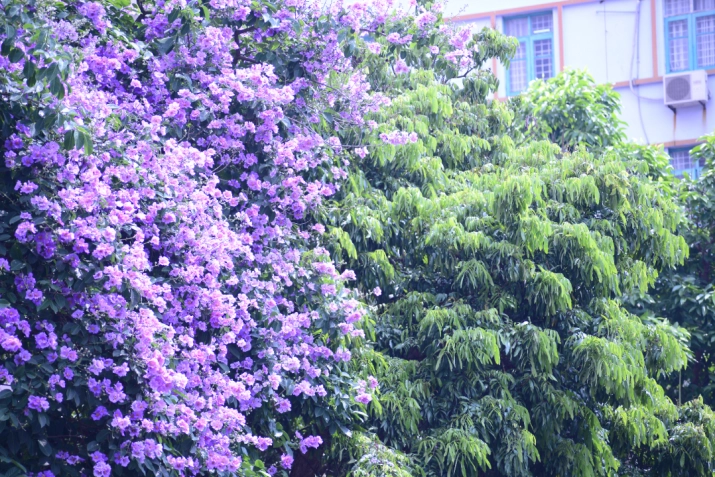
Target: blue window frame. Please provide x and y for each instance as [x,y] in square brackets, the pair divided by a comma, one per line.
[689,34]
[683,163]
[534,56]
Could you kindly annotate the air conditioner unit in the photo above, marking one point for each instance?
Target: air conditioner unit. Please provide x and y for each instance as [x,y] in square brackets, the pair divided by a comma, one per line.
[682,90]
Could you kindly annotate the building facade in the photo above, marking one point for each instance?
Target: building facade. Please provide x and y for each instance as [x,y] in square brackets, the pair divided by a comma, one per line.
[632,44]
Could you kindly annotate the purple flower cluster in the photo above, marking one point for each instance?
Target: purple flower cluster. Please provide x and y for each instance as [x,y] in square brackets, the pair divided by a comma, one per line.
[168,272]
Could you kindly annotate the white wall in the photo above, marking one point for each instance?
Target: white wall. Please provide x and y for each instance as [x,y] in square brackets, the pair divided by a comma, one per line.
[599,36]
[661,125]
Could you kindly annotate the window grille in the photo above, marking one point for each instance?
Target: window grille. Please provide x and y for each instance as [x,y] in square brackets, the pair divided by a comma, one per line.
[534,58]
[683,163]
[690,34]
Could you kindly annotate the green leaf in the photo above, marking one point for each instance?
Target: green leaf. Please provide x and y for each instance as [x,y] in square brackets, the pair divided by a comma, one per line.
[57,88]
[45,447]
[15,55]
[10,31]
[78,140]
[88,146]
[174,15]
[165,45]
[44,421]
[68,143]
[6,46]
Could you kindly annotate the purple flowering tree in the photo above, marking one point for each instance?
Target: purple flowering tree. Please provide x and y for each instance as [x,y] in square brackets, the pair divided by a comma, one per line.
[165,306]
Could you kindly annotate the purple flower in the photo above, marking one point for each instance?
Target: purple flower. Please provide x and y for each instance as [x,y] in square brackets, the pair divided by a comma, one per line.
[9,343]
[95,13]
[159,251]
[283,405]
[23,230]
[122,370]
[42,340]
[393,38]
[96,367]
[67,353]
[102,469]
[35,296]
[23,357]
[116,393]
[310,441]
[263,443]
[363,398]
[98,456]
[38,403]
[286,461]
[99,413]
[401,67]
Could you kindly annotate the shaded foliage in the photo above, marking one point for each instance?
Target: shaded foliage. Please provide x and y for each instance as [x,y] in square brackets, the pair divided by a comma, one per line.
[685,295]
[498,265]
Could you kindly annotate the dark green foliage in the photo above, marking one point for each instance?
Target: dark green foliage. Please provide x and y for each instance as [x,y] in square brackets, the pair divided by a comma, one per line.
[685,295]
[502,260]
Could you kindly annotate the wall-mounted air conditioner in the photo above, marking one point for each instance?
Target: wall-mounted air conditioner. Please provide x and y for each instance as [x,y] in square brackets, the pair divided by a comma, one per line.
[682,90]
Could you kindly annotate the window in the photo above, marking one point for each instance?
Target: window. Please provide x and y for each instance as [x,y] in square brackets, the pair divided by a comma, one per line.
[534,56]
[683,163]
[689,34]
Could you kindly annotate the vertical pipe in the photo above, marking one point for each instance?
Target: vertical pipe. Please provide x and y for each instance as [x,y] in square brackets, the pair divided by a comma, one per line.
[654,38]
[560,18]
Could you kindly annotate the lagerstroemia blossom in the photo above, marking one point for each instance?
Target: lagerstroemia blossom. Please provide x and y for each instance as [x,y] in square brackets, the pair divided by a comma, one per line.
[164,301]
[166,286]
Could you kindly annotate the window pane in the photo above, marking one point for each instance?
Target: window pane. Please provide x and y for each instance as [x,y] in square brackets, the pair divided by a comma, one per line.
[520,51]
[701,5]
[705,27]
[517,27]
[542,23]
[543,68]
[517,76]
[517,69]
[676,7]
[678,28]
[542,48]
[680,160]
[542,61]
[678,33]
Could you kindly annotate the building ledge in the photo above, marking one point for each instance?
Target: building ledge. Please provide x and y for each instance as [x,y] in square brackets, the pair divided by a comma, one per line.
[651,80]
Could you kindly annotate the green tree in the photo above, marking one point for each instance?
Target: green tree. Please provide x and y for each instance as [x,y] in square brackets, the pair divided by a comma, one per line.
[685,295]
[497,266]
[570,109]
